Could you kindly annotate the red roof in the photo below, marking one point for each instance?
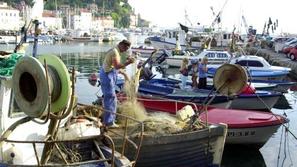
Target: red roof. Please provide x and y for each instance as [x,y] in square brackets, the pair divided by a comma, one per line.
[48,14]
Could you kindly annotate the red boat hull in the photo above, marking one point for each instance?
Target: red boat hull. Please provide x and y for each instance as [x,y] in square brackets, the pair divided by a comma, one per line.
[244,126]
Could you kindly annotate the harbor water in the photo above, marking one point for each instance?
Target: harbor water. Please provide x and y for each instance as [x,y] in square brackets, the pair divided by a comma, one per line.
[279,151]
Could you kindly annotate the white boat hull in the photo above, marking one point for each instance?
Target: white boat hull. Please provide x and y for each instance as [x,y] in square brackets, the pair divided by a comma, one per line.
[165,45]
[175,61]
[254,103]
[256,135]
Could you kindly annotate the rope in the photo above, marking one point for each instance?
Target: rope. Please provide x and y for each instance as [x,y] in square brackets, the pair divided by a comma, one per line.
[7,65]
[280,146]
[286,148]
[74,155]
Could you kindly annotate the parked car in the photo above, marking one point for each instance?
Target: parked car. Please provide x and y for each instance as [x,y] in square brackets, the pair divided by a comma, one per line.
[293,54]
[286,50]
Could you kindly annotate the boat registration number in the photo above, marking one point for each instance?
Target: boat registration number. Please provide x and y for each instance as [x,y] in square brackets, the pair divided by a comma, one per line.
[241,133]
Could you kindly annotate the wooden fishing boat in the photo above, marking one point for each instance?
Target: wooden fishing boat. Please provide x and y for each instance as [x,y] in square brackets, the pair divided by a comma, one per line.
[244,126]
[202,147]
[194,147]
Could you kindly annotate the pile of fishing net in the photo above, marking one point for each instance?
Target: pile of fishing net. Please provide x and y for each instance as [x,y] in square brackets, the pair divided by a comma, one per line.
[7,64]
[155,123]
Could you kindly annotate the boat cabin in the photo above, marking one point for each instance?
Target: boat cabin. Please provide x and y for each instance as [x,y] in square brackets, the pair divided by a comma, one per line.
[214,56]
[256,62]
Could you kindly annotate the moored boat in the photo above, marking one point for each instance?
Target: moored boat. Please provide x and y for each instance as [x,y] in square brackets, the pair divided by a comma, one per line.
[257,68]
[192,146]
[244,127]
[142,49]
[214,57]
[261,99]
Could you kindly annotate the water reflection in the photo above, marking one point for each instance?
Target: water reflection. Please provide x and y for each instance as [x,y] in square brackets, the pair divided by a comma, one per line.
[282,103]
[86,63]
[242,156]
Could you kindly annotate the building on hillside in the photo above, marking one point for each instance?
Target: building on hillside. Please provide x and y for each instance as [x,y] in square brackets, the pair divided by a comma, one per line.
[83,21]
[96,25]
[107,22]
[50,21]
[9,18]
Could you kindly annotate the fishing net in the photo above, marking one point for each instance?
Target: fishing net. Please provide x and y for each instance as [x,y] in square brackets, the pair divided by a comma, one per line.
[131,107]
[155,123]
[7,64]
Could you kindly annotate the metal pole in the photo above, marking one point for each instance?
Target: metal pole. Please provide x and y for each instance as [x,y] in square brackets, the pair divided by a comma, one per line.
[36,33]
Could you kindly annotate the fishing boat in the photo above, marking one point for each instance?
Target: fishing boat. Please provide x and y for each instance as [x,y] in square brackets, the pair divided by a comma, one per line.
[144,50]
[241,101]
[244,127]
[214,57]
[280,85]
[146,88]
[257,68]
[38,124]
[192,147]
[175,81]
[171,38]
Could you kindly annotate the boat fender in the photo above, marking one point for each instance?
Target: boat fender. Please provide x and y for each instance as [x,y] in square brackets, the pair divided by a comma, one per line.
[12,155]
[185,113]
[248,89]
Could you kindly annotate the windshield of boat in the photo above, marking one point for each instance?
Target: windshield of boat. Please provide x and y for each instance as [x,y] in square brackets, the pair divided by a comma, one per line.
[250,63]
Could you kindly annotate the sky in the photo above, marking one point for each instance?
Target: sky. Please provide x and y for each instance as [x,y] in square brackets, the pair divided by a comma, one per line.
[168,13]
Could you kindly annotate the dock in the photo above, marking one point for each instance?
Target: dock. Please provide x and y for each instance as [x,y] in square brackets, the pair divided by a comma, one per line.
[274,58]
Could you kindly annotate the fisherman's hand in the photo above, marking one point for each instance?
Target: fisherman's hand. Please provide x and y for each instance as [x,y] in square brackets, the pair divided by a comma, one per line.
[131,59]
[121,71]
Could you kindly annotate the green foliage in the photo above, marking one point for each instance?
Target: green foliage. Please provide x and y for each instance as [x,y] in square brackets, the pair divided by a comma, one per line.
[15,2]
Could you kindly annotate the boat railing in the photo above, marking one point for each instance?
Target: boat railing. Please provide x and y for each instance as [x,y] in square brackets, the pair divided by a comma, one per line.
[126,139]
[56,144]
[196,107]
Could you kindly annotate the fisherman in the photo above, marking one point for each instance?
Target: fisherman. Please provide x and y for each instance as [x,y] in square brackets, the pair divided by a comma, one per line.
[108,76]
[202,68]
[194,71]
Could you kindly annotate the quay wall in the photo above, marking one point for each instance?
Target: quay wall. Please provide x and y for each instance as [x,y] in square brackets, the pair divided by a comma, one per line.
[274,58]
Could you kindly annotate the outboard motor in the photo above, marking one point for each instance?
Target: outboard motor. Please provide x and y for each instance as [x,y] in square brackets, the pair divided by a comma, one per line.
[147,73]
